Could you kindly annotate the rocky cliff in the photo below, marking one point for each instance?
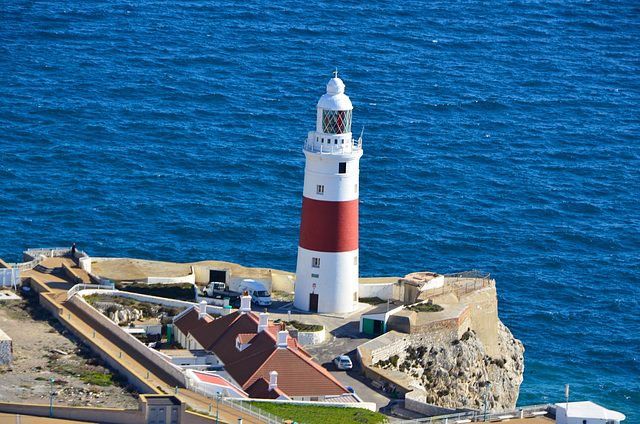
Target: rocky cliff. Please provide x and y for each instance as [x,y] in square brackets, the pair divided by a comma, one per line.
[454,374]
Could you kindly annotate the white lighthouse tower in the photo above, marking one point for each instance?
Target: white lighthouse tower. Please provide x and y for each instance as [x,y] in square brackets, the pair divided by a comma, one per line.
[327,271]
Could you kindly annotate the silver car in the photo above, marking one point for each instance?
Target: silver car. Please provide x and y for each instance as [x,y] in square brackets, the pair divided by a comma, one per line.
[343,362]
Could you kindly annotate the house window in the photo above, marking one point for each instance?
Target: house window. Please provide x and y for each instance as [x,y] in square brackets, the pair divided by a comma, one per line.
[342,167]
[315,276]
[315,262]
[320,189]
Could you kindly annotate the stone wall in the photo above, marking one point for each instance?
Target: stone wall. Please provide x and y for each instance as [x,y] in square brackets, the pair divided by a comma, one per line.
[102,415]
[6,348]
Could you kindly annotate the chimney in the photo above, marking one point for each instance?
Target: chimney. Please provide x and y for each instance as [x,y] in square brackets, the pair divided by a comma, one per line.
[264,321]
[245,302]
[282,337]
[203,310]
[273,380]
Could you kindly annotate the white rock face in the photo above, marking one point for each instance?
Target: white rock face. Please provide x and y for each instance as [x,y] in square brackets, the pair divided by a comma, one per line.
[454,375]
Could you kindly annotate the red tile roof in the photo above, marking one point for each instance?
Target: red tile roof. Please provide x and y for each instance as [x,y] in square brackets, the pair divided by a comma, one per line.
[297,374]
[260,390]
[189,321]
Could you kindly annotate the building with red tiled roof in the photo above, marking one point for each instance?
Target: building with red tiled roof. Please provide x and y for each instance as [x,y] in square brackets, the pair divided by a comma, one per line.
[264,362]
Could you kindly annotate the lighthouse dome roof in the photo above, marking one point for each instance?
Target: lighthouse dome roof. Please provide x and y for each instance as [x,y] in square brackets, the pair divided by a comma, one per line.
[335,99]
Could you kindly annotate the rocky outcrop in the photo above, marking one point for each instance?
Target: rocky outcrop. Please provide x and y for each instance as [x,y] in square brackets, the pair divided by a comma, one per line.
[455,374]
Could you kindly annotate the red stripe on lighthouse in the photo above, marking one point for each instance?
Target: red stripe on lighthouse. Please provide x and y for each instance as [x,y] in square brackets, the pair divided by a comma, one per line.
[329,226]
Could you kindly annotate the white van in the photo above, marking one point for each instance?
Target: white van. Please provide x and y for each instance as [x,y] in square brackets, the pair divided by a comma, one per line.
[259,294]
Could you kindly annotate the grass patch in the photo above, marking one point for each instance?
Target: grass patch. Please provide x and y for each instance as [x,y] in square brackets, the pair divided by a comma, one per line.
[311,414]
[98,379]
[172,291]
[305,327]
[371,300]
[426,307]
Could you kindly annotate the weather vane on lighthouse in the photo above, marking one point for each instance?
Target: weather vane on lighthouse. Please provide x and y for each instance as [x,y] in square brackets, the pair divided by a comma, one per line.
[327,269]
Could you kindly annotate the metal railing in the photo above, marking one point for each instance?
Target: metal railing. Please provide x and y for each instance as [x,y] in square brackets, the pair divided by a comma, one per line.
[479,416]
[238,404]
[460,283]
[75,289]
[246,407]
[25,266]
[348,147]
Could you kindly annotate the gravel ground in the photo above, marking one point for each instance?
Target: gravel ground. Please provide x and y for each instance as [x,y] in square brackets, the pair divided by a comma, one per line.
[43,349]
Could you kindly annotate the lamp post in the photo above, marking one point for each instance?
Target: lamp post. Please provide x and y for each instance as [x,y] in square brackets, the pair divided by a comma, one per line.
[486,392]
[217,405]
[51,401]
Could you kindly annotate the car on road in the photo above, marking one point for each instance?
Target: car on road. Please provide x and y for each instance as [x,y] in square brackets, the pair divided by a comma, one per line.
[343,362]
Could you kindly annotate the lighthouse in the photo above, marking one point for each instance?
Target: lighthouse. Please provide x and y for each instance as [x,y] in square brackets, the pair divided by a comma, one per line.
[327,269]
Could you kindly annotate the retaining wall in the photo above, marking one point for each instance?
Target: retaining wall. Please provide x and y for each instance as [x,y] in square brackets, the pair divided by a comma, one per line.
[415,401]
[129,340]
[102,415]
[211,309]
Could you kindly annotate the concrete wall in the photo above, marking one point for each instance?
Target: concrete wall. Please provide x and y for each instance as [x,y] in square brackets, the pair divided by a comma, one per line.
[483,317]
[416,401]
[385,291]
[102,415]
[185,279]
[129,340]
[281,282]
[311,337]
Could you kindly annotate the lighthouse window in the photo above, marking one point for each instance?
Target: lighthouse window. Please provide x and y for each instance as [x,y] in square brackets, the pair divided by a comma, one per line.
[355,260]
[336,121]
[320,189]
[336,141]
[342,167]
[315,262]
[315,276]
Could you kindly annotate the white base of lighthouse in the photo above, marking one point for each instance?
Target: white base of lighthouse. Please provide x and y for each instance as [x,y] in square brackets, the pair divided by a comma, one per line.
[326,282]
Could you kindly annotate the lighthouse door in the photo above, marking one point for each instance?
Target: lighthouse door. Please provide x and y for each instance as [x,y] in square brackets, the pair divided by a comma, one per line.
[313,302]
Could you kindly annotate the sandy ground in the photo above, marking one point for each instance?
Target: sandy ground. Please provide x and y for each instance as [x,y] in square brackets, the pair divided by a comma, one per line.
[43,349]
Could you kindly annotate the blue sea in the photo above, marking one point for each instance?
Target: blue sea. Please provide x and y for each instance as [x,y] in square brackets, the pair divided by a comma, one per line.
[501,136]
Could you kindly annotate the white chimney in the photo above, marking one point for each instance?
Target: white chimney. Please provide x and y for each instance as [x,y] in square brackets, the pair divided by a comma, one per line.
[273,380]
[282,339]
[245,302]
[203,310]
[264,321]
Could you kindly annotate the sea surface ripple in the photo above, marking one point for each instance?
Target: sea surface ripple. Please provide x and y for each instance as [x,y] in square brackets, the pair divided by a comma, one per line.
[500,136]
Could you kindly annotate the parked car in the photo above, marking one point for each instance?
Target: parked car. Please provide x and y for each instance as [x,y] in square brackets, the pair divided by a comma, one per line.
[343,362]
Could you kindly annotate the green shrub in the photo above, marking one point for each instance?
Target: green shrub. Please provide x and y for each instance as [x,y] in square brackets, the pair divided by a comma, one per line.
[98,379]
[394,360]
[305,327]
[426,307]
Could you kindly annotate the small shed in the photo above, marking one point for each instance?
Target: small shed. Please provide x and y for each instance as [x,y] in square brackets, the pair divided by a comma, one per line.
[6,348]
[586,413]
[374,322]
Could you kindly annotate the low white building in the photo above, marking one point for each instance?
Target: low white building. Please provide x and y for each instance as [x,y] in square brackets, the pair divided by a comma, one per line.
[586,413]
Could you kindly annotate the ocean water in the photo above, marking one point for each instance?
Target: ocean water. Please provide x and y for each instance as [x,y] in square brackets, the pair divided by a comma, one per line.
[500,136]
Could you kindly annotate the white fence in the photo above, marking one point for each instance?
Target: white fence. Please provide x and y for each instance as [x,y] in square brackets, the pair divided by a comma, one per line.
[480,416]
[9,277]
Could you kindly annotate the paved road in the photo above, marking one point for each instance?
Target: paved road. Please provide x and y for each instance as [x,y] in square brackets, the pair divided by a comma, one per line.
[343,337]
